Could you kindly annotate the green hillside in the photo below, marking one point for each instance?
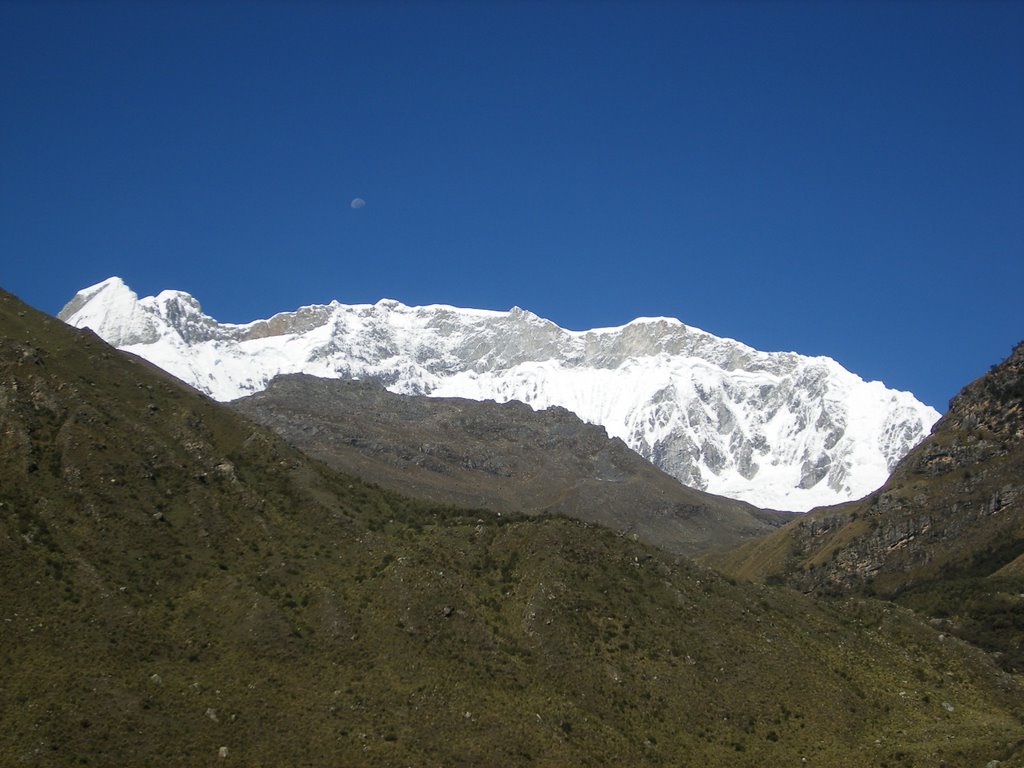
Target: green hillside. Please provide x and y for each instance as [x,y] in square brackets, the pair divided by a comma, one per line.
[180,587]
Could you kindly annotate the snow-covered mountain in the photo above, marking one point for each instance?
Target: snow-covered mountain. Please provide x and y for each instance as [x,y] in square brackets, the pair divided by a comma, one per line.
[776,429]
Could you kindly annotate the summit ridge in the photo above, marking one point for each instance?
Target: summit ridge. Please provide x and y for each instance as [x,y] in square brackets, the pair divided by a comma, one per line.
[776,429]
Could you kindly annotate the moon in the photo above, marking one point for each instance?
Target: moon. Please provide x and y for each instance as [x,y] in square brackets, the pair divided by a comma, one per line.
[357,203]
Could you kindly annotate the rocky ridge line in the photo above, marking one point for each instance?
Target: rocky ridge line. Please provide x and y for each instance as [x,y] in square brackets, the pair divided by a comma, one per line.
[778,430]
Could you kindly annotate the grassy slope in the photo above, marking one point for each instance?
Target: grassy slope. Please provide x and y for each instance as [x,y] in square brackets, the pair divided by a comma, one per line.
[177,580]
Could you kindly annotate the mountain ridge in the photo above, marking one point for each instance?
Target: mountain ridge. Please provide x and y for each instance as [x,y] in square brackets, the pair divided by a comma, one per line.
[776,429]
[945,533]
[179,586]
[504,457]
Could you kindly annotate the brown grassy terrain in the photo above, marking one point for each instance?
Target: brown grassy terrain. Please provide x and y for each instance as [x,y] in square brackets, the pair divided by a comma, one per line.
[503,457]
[181,587]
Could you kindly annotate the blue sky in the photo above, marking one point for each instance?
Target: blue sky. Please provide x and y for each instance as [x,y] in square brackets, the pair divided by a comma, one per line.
[834,178]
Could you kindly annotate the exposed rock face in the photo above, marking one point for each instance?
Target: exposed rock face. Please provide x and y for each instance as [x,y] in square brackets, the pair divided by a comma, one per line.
[954,505]
[957,502]
[945,535]
[502,457]
[775,429]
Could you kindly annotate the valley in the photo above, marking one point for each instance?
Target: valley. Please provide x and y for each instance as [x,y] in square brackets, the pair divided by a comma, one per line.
[183,586]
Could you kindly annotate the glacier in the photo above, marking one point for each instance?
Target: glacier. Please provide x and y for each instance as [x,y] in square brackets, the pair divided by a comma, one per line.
[777,429]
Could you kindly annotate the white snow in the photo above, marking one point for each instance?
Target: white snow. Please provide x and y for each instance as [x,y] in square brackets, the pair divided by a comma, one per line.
[714,412]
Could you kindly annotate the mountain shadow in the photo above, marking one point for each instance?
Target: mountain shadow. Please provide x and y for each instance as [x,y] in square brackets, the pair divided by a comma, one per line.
[503,457]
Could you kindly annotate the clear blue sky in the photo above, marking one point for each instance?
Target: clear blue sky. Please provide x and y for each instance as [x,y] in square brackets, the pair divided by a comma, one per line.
[830,178]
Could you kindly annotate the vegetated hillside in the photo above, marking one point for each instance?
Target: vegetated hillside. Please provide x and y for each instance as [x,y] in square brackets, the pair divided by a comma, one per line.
[944,535]
[503,457]
[180,587]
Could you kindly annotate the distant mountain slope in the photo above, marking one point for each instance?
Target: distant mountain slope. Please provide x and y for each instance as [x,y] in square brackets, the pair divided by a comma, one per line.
[503,457]
[180,587]
[952,513]
[778,430]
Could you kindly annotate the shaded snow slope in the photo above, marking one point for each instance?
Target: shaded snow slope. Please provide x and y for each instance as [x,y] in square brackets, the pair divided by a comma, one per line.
[776,429]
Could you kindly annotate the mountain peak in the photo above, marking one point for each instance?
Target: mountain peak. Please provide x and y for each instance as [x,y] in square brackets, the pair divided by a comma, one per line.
[778,430]
[111,309]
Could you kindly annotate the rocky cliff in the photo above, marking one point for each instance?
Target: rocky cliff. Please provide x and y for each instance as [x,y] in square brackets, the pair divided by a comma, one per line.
[951,514]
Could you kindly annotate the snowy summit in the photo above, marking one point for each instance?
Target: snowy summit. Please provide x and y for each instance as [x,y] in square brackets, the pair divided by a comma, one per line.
[776,429]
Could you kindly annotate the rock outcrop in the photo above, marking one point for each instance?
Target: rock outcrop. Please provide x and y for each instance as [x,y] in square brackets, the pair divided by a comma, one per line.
[952,513]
